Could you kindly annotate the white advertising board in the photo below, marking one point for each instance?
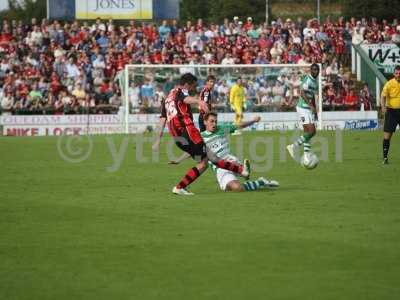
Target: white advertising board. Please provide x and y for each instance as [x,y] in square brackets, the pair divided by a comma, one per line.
[113,124]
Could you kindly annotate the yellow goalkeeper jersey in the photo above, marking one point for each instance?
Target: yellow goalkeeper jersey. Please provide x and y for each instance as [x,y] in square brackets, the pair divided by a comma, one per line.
[237,95]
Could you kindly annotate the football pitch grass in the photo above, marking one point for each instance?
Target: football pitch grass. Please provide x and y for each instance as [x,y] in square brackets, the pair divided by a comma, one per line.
[88,231]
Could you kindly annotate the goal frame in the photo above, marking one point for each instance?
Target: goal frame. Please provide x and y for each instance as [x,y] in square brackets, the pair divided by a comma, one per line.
[213,66]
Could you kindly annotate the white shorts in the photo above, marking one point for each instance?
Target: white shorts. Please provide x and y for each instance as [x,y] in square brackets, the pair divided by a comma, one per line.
[224,177]
[306,116]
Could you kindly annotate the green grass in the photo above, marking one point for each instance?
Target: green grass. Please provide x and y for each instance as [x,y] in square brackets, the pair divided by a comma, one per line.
[78,231]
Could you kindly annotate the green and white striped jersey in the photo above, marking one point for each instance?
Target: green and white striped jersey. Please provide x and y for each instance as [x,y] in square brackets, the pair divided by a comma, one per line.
[310,86]
[217,142]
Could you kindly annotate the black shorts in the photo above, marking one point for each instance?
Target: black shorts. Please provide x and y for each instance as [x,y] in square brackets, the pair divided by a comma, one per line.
[202,126]
[197,151]
[392,119]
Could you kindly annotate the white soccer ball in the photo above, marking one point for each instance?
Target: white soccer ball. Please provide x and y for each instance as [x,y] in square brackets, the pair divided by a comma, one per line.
[309,161]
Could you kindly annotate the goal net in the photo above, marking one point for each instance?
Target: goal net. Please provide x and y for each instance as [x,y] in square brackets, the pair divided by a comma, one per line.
[272,91]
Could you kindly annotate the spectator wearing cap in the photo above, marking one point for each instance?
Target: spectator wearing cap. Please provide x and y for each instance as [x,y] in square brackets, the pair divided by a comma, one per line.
[249,24]
[235,21]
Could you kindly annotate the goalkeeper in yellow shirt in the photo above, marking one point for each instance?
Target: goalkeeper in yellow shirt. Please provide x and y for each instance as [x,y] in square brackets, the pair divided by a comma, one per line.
[237,99]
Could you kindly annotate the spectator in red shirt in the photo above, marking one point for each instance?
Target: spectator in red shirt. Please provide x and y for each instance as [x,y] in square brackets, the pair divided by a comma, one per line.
[338,100]
[351,100]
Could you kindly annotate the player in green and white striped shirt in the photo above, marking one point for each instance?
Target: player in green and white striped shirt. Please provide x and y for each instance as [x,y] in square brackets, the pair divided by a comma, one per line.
[307,111]
[215,138]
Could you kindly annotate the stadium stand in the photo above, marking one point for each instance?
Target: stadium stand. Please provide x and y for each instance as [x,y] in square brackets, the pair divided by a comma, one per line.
[72,68]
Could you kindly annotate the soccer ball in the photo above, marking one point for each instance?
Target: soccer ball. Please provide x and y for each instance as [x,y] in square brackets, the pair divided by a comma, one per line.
[309,161]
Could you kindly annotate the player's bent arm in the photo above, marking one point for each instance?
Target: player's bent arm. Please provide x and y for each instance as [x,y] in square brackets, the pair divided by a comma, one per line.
[249,123]
[180,159]
[195,100]
[191,100]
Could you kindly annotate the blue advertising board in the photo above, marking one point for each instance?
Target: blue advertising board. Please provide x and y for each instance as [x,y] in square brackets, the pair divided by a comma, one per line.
[361,124]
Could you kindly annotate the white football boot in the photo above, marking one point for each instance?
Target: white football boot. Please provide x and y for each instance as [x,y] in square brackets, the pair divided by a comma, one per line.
[246,169]
[269,183]
[182,192]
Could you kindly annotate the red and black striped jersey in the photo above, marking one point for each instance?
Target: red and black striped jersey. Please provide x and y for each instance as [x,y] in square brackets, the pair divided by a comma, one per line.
[206,96]
[179,115]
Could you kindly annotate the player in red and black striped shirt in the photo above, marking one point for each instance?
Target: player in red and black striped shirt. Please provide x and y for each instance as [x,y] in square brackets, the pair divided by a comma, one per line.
[179,119]
[206,97]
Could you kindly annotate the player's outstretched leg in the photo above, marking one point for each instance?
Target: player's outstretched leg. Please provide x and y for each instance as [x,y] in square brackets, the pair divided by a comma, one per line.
[194,173]
[260,183]
[242,170]
[189,178]
[250,186]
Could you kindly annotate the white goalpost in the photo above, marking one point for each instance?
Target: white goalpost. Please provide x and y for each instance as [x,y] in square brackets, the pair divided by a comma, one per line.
[144,85]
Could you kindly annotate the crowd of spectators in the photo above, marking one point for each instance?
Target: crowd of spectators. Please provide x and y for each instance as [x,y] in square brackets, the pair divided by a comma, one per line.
[50,67]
